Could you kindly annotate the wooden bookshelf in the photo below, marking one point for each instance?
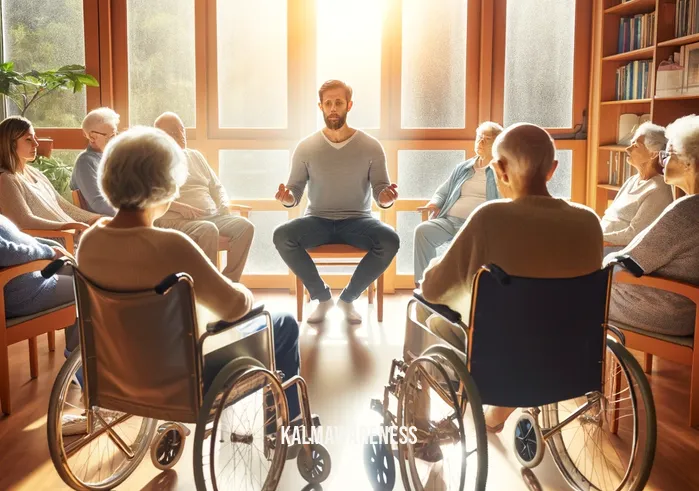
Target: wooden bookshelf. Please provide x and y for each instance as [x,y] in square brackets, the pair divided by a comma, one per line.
[604,109]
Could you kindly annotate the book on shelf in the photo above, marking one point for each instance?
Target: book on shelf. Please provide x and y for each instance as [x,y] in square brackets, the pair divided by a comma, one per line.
[686,18]
[636,32]
[632,80]
[619,168]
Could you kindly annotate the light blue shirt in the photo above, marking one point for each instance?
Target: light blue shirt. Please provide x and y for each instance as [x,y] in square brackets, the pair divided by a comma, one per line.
[84,179]
[449,192]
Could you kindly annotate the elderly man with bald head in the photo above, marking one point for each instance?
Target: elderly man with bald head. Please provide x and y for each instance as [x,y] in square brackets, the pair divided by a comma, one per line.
[528,233]
[201,210]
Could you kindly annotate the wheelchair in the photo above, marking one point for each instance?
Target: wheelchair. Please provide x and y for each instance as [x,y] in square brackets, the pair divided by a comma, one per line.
[141,361]
[539,344]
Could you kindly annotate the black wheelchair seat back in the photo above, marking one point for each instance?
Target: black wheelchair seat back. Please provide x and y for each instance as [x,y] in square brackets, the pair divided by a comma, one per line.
[140,350]
[537,341]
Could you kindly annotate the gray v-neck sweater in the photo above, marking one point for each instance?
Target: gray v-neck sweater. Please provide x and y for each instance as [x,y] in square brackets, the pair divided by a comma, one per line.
[341,181]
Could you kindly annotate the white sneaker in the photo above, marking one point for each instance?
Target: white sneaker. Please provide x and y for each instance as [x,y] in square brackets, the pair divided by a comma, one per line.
[73,424]
[321,311]
[351,314]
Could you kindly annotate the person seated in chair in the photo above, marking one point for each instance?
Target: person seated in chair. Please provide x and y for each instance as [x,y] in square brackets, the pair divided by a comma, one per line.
[644,195]
[669,247]
[99,126]
[141,173]
[529,233]
[343,167]
[201,210]
[470,184]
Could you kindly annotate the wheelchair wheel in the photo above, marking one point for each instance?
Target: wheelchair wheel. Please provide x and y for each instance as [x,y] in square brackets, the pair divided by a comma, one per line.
[101,454]
[380,464]
[610,443]
[529,444]
[314,465]
[238,435]
[450,448]
[167,447]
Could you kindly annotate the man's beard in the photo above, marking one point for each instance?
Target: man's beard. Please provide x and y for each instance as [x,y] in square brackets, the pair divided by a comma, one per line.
[336,124]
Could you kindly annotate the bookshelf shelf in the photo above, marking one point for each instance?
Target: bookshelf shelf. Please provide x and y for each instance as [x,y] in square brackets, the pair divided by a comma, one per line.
[692,38]
[631,8]
[609,187]
[637,54]
[628,101]
[686,97]
[613,148]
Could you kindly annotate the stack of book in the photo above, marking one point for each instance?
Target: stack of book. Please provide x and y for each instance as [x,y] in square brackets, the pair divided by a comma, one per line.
[619,168]
[636,32]
[632,80]
[686,18]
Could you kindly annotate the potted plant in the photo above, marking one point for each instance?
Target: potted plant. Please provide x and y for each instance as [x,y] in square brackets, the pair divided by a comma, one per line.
[25,89]
[57,172]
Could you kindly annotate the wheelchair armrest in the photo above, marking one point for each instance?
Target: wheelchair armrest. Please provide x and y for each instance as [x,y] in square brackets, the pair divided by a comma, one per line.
[630,265]
[218,326]
[55,266]
[441,310]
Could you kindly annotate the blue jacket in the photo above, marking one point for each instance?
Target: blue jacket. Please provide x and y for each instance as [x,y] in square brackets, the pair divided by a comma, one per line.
[450,191]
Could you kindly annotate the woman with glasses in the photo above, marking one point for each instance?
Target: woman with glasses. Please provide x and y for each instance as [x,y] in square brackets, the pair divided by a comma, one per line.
[644,195]
[99,126]
[470,184]
[26,195]
[669,247]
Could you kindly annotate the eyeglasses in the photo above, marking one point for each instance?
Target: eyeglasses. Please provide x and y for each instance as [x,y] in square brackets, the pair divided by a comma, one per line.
[106,135]
[664,157]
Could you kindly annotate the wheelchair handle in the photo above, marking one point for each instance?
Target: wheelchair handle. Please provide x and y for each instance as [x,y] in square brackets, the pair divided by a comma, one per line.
[169,282]
[630,265]
[54,267]
[442,310]
[218,326]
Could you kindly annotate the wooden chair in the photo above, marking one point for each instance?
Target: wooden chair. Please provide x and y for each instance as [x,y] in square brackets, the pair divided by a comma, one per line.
[27,328]
[243,211]
[680,349]
[339,255]
[78,199]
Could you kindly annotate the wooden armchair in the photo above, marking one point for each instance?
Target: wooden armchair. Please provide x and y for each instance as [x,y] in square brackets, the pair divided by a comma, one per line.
[79,200]
[680,349]
[27,328]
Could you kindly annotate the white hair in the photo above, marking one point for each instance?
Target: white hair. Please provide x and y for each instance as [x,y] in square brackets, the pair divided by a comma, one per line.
[683,135]
[96,117]
[528,149]
[489,127]
[141,168]
[653,136]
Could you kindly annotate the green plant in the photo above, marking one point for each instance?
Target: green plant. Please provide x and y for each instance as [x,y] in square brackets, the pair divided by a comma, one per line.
[55,171]
[24,89]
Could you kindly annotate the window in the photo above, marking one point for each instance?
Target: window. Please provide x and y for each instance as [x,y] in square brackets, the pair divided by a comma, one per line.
[161,60]
[45,35]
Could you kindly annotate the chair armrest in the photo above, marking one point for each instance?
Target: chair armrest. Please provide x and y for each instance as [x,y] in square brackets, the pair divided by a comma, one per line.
[440,310]
[68,236]
[220,326]
[425,212]
[687,290]
[242,209]
[12,272]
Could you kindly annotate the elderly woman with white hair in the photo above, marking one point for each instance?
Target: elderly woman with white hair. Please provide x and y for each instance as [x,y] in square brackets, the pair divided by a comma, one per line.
[529,233]
[643,196]
[99,126]
[141,173]
[669,247]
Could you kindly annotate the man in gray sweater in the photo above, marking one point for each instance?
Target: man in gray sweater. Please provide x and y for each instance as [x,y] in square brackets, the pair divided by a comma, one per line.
[344,167]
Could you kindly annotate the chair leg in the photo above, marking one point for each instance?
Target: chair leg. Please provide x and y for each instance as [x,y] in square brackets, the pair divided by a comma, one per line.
[694,393]
[370,294]
[52,340]
[4,373]
[299,299]
[648,363]
[33,358]
[379,299]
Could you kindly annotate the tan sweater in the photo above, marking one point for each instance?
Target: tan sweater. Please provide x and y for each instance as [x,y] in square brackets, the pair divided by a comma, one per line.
[535,236]
[141,257]
[30,201]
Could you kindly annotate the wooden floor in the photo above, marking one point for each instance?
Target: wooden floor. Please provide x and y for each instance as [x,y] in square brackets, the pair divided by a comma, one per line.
[344,367]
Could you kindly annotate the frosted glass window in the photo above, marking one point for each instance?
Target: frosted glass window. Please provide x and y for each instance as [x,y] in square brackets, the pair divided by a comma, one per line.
[539,51]
[420,172]
[252,63]
[253,174]
[348,40]
[264,258]
[45,35]
[561,184]
[433,91]
[161,60]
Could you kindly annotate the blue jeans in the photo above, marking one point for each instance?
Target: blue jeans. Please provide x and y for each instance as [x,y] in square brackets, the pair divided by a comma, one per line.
[286,353]
[379,240]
